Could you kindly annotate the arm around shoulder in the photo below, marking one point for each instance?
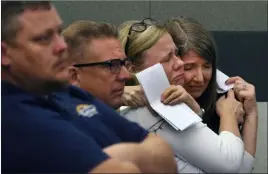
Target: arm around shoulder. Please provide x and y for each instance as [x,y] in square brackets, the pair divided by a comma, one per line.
[210,152]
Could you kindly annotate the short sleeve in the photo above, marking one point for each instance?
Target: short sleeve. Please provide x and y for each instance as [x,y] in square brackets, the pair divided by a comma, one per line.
[247,164]
[41,141]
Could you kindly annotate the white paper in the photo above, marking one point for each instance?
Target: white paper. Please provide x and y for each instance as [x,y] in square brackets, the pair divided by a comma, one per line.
[154,82]
[221,79]
[179,116]
[220,91]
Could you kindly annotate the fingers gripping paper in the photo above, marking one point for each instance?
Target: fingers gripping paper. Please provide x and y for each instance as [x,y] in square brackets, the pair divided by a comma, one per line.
[154,82]
[221,79]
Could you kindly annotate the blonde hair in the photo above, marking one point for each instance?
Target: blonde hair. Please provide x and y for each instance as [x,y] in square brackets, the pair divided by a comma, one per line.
[139,42]
[80,33]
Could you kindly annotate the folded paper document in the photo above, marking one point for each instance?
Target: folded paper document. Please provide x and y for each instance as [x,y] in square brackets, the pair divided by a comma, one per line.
[154,82]
[221,79]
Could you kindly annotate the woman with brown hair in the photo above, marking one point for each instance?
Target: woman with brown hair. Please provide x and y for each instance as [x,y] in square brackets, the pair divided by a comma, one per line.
[196,49]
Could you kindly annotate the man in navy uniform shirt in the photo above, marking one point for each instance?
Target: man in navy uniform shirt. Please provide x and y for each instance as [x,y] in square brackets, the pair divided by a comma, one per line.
[48,126]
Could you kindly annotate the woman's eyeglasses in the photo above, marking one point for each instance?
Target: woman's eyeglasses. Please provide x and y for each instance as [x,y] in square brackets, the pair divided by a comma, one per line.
[139,27]
[115,65]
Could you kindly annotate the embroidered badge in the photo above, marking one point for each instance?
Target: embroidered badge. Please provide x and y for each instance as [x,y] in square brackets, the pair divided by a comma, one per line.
[86,110]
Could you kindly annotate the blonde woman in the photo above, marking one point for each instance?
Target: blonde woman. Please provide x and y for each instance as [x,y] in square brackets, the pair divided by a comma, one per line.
[198,148]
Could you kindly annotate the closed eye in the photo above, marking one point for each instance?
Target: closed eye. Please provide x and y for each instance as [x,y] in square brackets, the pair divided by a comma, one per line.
[188,67]
[207,65]
[177,52]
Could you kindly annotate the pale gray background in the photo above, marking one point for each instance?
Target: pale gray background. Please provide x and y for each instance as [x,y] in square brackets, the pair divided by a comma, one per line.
[261,154]
[215,15]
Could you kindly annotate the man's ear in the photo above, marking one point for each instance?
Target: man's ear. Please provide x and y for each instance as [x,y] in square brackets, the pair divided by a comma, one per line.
[5,59]
[74,76]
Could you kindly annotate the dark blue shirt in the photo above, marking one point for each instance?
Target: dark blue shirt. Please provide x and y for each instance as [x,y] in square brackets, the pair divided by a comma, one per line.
[62,132]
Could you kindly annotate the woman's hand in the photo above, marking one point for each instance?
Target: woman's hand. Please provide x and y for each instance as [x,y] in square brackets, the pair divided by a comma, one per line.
[229,106]
[245,93]
[177,94]
[134,96]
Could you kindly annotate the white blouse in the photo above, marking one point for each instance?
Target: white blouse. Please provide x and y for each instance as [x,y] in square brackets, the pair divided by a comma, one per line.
[198,149]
